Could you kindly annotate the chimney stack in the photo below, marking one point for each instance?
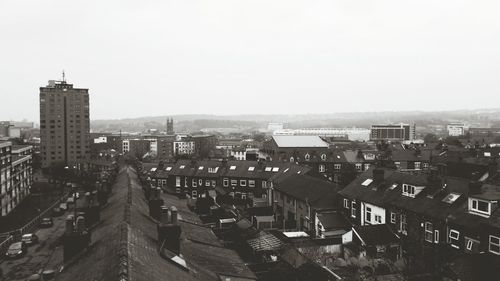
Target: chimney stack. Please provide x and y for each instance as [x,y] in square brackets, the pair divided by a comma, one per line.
[173,213]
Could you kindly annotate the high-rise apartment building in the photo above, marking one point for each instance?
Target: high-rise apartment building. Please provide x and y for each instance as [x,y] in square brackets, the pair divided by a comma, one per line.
[64,123]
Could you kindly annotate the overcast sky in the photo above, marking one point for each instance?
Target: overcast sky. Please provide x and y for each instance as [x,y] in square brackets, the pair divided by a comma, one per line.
[147,58]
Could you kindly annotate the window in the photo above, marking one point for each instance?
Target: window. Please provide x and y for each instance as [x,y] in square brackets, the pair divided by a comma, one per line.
[195,183]
[275,169]
[378,219]
[393,217]
[207,182]
[346,203]
[243,182]
[200,168]
[268,169]
[368,214]
[408,190]
[307,157]
[359,167]
[417,165]
[182,167]
[353,209]
[494,246]
[323,157]
[403,225]
[234,182]
[251,169]
[200,182]
[194,193]
[367,166]
[177,181]
[436,236]
[291,159]
[321,168]
[468,244]
[453,238]
[243,196]
[336,166]
[232,168]
[264,184]
[225,182]
[480,206]
[251,183]
[429,234]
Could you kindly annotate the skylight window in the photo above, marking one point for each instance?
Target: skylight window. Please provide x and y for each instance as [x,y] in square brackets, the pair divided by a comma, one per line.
[251,169]
[232,168]
[393,186]
[275,169]
[168,169]
[153,169]
[451,198]
[182,167]
[286,170]
[268,169]
[367,182]
[200,168]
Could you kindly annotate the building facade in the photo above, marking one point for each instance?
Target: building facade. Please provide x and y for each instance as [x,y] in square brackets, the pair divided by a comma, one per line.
[393,132]
[16,175]
[64,123]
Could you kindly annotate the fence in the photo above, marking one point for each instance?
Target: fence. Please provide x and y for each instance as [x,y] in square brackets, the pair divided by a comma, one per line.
[15,235]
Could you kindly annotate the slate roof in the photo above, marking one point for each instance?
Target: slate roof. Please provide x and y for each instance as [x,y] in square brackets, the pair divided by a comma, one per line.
[320,194]
[333,220]
[300,141]
[411,155]
[372,235]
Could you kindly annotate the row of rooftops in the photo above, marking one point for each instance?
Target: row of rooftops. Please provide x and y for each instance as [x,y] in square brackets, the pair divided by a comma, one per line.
[429,195]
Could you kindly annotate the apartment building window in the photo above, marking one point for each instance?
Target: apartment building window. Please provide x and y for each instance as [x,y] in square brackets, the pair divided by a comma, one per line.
[353,209]
[453,238]
[321,168]
[243,183]
[368,214]
[429,234]
[251,183]
[336,166]
[177,181]
[494,246]
[225,182]
[346,203]
[393,217]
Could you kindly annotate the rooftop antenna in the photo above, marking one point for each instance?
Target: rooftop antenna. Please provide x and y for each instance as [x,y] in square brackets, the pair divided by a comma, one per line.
[63,76]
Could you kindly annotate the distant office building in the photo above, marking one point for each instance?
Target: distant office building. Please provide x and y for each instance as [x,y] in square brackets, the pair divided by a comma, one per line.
[9,130]
[456,129]
[203,144]
[184,147]
[64,123]
[170,126]
[16,175]
[353,134]
[484,131]
[395,132]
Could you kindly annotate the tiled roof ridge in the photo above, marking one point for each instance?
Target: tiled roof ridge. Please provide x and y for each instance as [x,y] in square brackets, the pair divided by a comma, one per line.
[123,251]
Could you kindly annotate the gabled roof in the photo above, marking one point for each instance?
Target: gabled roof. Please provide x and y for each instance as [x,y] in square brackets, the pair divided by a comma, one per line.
[300,141]
[411,155]
[320,194]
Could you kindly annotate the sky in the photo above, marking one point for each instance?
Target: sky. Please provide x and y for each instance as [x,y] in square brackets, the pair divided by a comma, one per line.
[163,57]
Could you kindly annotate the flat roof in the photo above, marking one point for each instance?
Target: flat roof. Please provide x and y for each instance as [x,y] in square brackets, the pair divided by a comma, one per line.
[300,141]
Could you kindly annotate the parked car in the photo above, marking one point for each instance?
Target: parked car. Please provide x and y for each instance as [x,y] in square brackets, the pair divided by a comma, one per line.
[47,222]
[63,206]
[16,250]
[29,238]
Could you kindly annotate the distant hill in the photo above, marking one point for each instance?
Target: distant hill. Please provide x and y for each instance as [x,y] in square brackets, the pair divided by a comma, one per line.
[196,122]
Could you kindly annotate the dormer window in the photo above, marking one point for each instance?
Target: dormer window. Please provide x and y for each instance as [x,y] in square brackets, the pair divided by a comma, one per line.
[479,207]
[323,157]
[411,190]
[291,159]
[307,157]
